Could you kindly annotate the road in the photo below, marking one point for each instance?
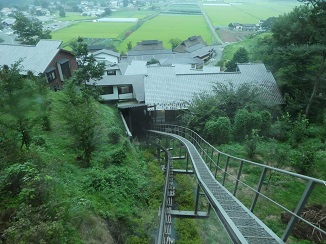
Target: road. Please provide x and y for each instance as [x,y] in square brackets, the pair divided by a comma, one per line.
[211,27]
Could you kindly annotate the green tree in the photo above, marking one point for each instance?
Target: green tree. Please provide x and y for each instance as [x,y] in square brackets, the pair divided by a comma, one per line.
[88,68]
[80,116]
[62,13]
[300,54]
[79,104]
[174,42]
[29,31]
[240,56]
[129,45]
[107,12]
[125,3]
[18,110]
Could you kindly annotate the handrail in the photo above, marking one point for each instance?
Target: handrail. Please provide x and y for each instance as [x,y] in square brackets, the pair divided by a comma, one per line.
[168,158]
[203,145]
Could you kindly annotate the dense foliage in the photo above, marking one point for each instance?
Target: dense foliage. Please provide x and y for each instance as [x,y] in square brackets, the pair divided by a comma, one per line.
[29,31]
[68,174]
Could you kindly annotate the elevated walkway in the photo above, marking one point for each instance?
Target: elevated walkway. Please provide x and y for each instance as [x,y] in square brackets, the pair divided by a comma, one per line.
[241,224]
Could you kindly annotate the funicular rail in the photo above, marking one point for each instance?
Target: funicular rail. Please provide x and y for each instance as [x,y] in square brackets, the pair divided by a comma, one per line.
[242,225]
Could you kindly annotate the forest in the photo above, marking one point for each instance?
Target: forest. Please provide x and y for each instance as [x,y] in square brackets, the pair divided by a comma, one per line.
[68,173]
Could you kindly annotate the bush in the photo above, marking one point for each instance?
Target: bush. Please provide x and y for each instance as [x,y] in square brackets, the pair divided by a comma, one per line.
[303,159]
[251,143]
[299,131]
[114,135]
[219,131]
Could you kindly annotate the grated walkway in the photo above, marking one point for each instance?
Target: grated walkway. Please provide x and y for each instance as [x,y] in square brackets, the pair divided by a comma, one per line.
[242,225]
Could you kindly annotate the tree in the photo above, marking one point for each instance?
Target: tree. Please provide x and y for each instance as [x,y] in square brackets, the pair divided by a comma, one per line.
[125,3]
[18,110]
[268,23]
[174,42]
[129,45]
[240,56]
[107,12]
[62,13]
[310,71]
[29,31]
[88,68]
[79,104]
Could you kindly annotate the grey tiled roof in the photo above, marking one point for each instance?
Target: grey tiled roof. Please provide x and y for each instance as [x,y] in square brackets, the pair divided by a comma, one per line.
[148,52]
[136,67]
[33,58]
[180,60]
[107,51]
[170,91]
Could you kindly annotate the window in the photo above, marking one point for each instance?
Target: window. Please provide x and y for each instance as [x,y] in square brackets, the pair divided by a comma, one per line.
[64,69]
[111,72]
[125,89]
[107,90]
[50,75]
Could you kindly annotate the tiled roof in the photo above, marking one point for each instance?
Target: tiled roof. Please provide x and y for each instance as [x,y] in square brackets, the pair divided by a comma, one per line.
[169,91]
[136,67]
[108,52]
[33,58]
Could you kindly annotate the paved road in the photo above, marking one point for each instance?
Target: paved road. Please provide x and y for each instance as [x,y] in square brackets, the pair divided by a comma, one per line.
[211,27]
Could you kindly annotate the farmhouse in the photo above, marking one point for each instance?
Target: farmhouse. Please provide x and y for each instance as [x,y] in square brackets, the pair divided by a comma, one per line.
[7,22]
[169,91]
[196,46]
[165,91]
[45,58]
[107,56]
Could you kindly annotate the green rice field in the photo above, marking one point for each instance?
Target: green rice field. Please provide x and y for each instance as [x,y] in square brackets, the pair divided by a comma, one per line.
[70,16]
[91,29]
[165,27]
[248,12]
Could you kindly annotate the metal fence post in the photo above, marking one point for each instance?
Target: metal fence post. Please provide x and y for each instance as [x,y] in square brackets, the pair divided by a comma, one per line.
[304,198]
[238,178]
[226,169]
[197,199]
[262,177]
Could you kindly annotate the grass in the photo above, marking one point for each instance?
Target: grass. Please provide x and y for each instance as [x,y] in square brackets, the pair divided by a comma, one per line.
[166,27]
[250,12]
[281,188]
[90,29]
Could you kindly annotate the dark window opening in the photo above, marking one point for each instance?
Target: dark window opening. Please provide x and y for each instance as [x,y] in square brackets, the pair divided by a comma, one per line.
[107,90]
[50,76]
[111,72]
[125,89]
[65,68]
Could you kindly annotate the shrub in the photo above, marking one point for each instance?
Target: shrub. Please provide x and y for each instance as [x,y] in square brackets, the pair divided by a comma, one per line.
[251,143]
[114,135]
[299,131]
[303,158]
[219,131]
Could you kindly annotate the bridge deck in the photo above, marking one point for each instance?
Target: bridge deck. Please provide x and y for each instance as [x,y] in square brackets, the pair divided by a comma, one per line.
[242,225]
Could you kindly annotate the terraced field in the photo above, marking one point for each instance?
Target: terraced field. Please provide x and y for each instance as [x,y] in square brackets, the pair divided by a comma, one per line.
[248,12]
[91,29]
[165,27]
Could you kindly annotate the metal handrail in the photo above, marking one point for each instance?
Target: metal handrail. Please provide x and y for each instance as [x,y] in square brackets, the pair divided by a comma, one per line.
[168,157]
[203,145]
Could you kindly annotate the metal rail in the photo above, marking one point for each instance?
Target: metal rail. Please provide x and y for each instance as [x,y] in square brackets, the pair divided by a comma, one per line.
[165,227]
[207,152]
